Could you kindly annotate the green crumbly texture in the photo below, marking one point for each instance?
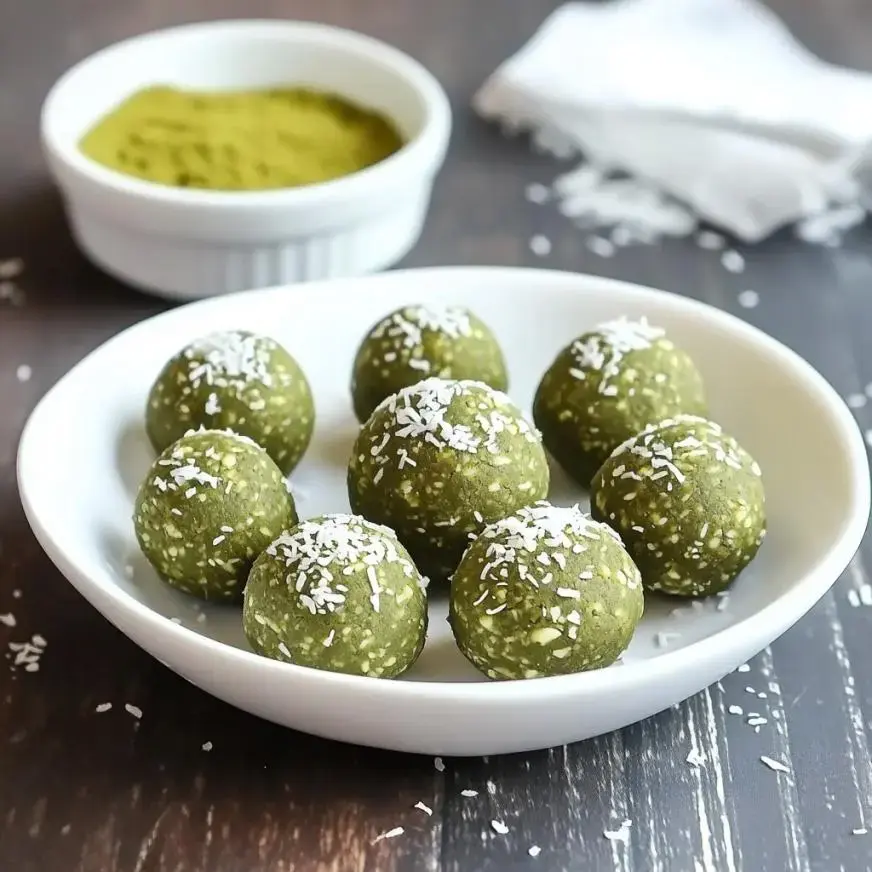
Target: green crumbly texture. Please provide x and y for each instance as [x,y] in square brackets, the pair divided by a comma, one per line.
[337,593]
[237,380]
[608,385]
[239,140]
[546,591]
[418,342]
[208,506]
[688,502]
[439,461]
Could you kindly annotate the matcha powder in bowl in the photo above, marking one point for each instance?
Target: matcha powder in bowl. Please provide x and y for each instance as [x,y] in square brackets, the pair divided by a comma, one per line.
[245,140]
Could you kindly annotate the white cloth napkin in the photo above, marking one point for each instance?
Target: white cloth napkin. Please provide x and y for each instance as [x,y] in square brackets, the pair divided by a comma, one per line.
[712,101]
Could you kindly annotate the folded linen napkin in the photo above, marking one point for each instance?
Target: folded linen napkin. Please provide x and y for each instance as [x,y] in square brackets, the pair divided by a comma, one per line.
[712,102]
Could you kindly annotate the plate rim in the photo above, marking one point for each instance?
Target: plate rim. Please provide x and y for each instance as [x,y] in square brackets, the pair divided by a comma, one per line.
[768,623]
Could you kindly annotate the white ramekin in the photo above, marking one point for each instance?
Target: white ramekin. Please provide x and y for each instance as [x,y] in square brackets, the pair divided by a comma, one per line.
[187,244]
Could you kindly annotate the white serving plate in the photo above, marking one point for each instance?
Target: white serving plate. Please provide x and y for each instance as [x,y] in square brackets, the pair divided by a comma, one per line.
[84,451]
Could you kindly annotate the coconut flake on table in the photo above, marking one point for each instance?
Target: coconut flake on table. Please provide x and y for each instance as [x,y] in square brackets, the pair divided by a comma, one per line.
[695,758]
[537,193]
[622,834]
[710,241]
[732,261]
[540,245]
[390,834]
[774,765]
[853,598]
[28,654]
[749,299]
[598,200]
[11,268]
[600,246]
[828,227]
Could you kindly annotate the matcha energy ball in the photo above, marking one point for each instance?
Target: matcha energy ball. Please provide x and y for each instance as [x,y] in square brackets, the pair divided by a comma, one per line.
[439,461]
[237,380]
[417,342]
[545,591]
[337,593]
[687,501]
[209,505]
[606,386]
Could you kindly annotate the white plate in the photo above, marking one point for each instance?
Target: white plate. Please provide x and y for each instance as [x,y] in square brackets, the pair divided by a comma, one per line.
[84,450]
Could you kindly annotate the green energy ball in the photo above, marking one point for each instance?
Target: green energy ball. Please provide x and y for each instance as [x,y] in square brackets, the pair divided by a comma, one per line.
[545,591]
[337,593]
[439,461]
[418,342]
[688,502]
[209,505]
[606,386]
[235,380]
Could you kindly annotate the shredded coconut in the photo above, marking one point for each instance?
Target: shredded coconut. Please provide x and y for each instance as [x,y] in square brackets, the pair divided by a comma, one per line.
[540,245]
[622,834]
[313,549]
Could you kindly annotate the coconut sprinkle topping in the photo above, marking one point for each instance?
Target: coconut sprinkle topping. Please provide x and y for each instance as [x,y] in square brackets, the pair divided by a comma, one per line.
[653,444]
[519,539]
[602,350]
[420,413]
[316,552]
[230,359]
[407,325]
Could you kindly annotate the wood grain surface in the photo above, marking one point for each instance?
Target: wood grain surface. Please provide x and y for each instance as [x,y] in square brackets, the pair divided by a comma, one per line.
[88,792]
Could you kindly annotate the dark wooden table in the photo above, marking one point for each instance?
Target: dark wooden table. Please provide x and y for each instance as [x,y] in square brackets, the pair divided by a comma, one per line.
[88,792]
